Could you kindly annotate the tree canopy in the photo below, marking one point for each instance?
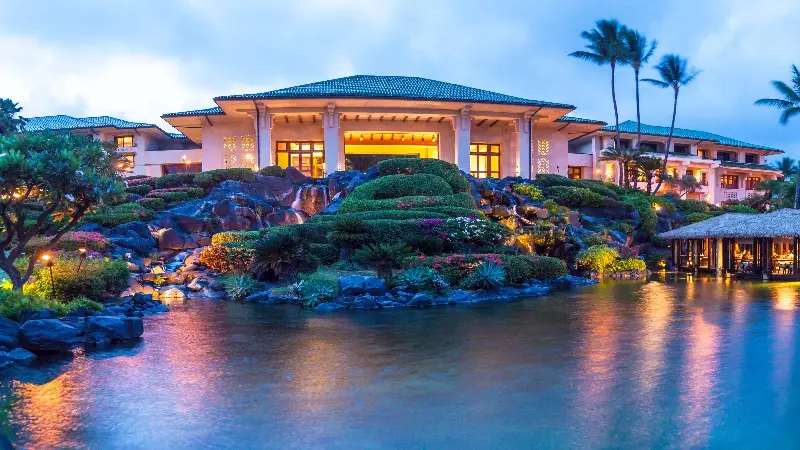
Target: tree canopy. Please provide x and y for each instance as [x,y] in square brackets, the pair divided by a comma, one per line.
[48,182]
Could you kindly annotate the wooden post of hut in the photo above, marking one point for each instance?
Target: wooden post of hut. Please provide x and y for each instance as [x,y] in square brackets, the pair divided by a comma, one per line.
[794,256]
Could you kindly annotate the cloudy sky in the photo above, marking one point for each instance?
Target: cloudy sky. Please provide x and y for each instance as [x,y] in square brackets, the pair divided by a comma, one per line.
[138,59]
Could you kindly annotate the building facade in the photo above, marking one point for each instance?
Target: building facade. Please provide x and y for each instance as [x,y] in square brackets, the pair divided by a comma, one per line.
[352,123]
[727,169]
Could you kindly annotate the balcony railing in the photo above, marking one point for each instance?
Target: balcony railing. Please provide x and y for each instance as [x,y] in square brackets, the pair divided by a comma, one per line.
[130,149]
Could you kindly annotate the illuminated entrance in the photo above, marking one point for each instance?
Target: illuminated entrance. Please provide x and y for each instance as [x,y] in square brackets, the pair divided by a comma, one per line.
[363,150]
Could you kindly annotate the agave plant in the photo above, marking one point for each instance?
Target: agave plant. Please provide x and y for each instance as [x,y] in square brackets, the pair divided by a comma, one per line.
[313,294]
[384,257]
[423,279]
[239,286]
[488,275]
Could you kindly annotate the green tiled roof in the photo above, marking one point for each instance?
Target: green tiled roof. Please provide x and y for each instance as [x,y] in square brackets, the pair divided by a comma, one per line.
[215,111]
[747,165]
[393,87]
[62,123]
[629,126]
[580,120]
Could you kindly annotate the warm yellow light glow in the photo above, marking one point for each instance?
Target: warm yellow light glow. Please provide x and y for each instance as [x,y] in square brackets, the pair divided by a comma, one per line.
[361,138]
[656,207]
[598,171]
[46,257]
[82,250]
[157,270]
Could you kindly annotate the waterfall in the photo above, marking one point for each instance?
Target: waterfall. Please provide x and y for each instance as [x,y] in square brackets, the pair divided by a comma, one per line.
[297,204]
[298,216]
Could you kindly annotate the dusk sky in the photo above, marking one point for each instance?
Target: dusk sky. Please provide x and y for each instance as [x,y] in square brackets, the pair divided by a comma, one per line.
[139,59]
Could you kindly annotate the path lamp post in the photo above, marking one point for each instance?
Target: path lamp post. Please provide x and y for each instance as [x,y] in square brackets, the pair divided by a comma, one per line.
[48,261]
[81,257]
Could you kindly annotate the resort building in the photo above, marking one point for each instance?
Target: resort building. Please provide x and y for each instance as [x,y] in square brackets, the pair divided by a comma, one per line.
[727,169]
[760,245]
[351,123]
[144,148]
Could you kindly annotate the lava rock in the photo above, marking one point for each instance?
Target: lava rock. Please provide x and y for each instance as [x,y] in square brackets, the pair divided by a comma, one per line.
[21,356]
[355,285]
[47,335]
[189,224]
[9,330]
[328,306]
[105,329]
[295,176]
[421,300]
[261,297]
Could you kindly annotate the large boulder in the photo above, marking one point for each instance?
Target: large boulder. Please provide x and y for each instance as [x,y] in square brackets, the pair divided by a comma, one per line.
[9,331]
[189,224]
[355,285]
[140,246]
[172,239]
[105,329]
[47,335]
[295,176]
[339,182]
[131,229]
[311,199]
[285,217]
[21,356]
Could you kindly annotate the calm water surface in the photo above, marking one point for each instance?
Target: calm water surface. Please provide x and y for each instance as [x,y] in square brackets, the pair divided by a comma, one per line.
[664,363]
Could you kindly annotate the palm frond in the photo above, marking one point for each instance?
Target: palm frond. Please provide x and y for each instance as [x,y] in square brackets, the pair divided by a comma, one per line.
[788,93]
[590,57]
[788,114]
[657,83]
[775,103]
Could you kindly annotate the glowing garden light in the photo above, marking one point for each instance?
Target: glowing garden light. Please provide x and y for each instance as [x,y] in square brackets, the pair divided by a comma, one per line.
[48,261]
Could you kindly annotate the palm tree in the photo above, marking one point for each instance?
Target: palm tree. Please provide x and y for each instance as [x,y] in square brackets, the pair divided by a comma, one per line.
[9,121]
[638,51]
[625,158]
[674,73]
[790,107]
[648,165]
[605,47]
[790,103]
[790,169]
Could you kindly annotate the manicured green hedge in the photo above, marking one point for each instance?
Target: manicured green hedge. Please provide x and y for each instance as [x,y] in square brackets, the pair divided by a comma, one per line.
[575,197]
[453,211]
[212,178]
[597,258]
[174,180]
[604,189]
[231,257]
[273,171]
[460,200]
[394,186]
[530,190]
[739,209]
[407,166]
[156,204]
[376,215]
[519,268]
[698,217]
[234,236]
[691,206]
[139,189]
[117,215]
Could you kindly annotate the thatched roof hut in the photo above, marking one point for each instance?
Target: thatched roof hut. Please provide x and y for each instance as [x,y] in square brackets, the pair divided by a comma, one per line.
[781,223]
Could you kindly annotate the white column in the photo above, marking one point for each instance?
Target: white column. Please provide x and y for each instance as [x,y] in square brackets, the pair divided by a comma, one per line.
[463,126]
[714,188]
[264,137]
[524,146]
[330,126]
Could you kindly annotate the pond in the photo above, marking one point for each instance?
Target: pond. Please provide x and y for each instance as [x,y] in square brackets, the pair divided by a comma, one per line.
[631,364]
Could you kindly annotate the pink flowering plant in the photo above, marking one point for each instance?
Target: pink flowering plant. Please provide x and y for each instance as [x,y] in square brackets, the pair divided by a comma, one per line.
[471,230]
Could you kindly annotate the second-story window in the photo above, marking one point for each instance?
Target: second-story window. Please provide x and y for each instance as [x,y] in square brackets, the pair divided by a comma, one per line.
[650,147]
[681,149]
[703,153]
[124,141]
[751,158]
[726,156]
[625,143]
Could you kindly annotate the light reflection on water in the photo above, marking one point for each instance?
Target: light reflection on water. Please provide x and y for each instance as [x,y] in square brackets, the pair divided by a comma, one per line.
[630,364]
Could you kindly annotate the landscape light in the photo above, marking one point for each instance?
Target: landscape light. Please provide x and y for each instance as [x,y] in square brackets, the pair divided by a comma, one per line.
[48,261]
[81,256]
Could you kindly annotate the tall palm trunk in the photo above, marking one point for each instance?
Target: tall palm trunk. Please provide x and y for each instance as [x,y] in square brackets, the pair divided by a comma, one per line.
[638,121]
[669,142]
[616,117]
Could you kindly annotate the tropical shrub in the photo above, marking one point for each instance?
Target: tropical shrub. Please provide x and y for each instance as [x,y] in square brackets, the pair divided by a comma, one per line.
[595,239]
[479,232]
[645,209]
[231,257]
[155,204]
[98,279]
[698,217]
[13,304]
[488,275]
[423,279]
[384,257]
[238,286]
[460,200]
[71,242]
[350,233]
[452,211]
[312,293]
[234,236]
[530,190]
[139,189]
[623,227]
[519,268]
[282,255]
[655,261]
[394,186]
[658,241]
[597,258]
[739,209]
[273,171]
[426,244]
[176,194]
[212,178]
[325,254]
[173,180]
[624,265]
[409,166]
[663,204]
[575,197]
[691,206]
